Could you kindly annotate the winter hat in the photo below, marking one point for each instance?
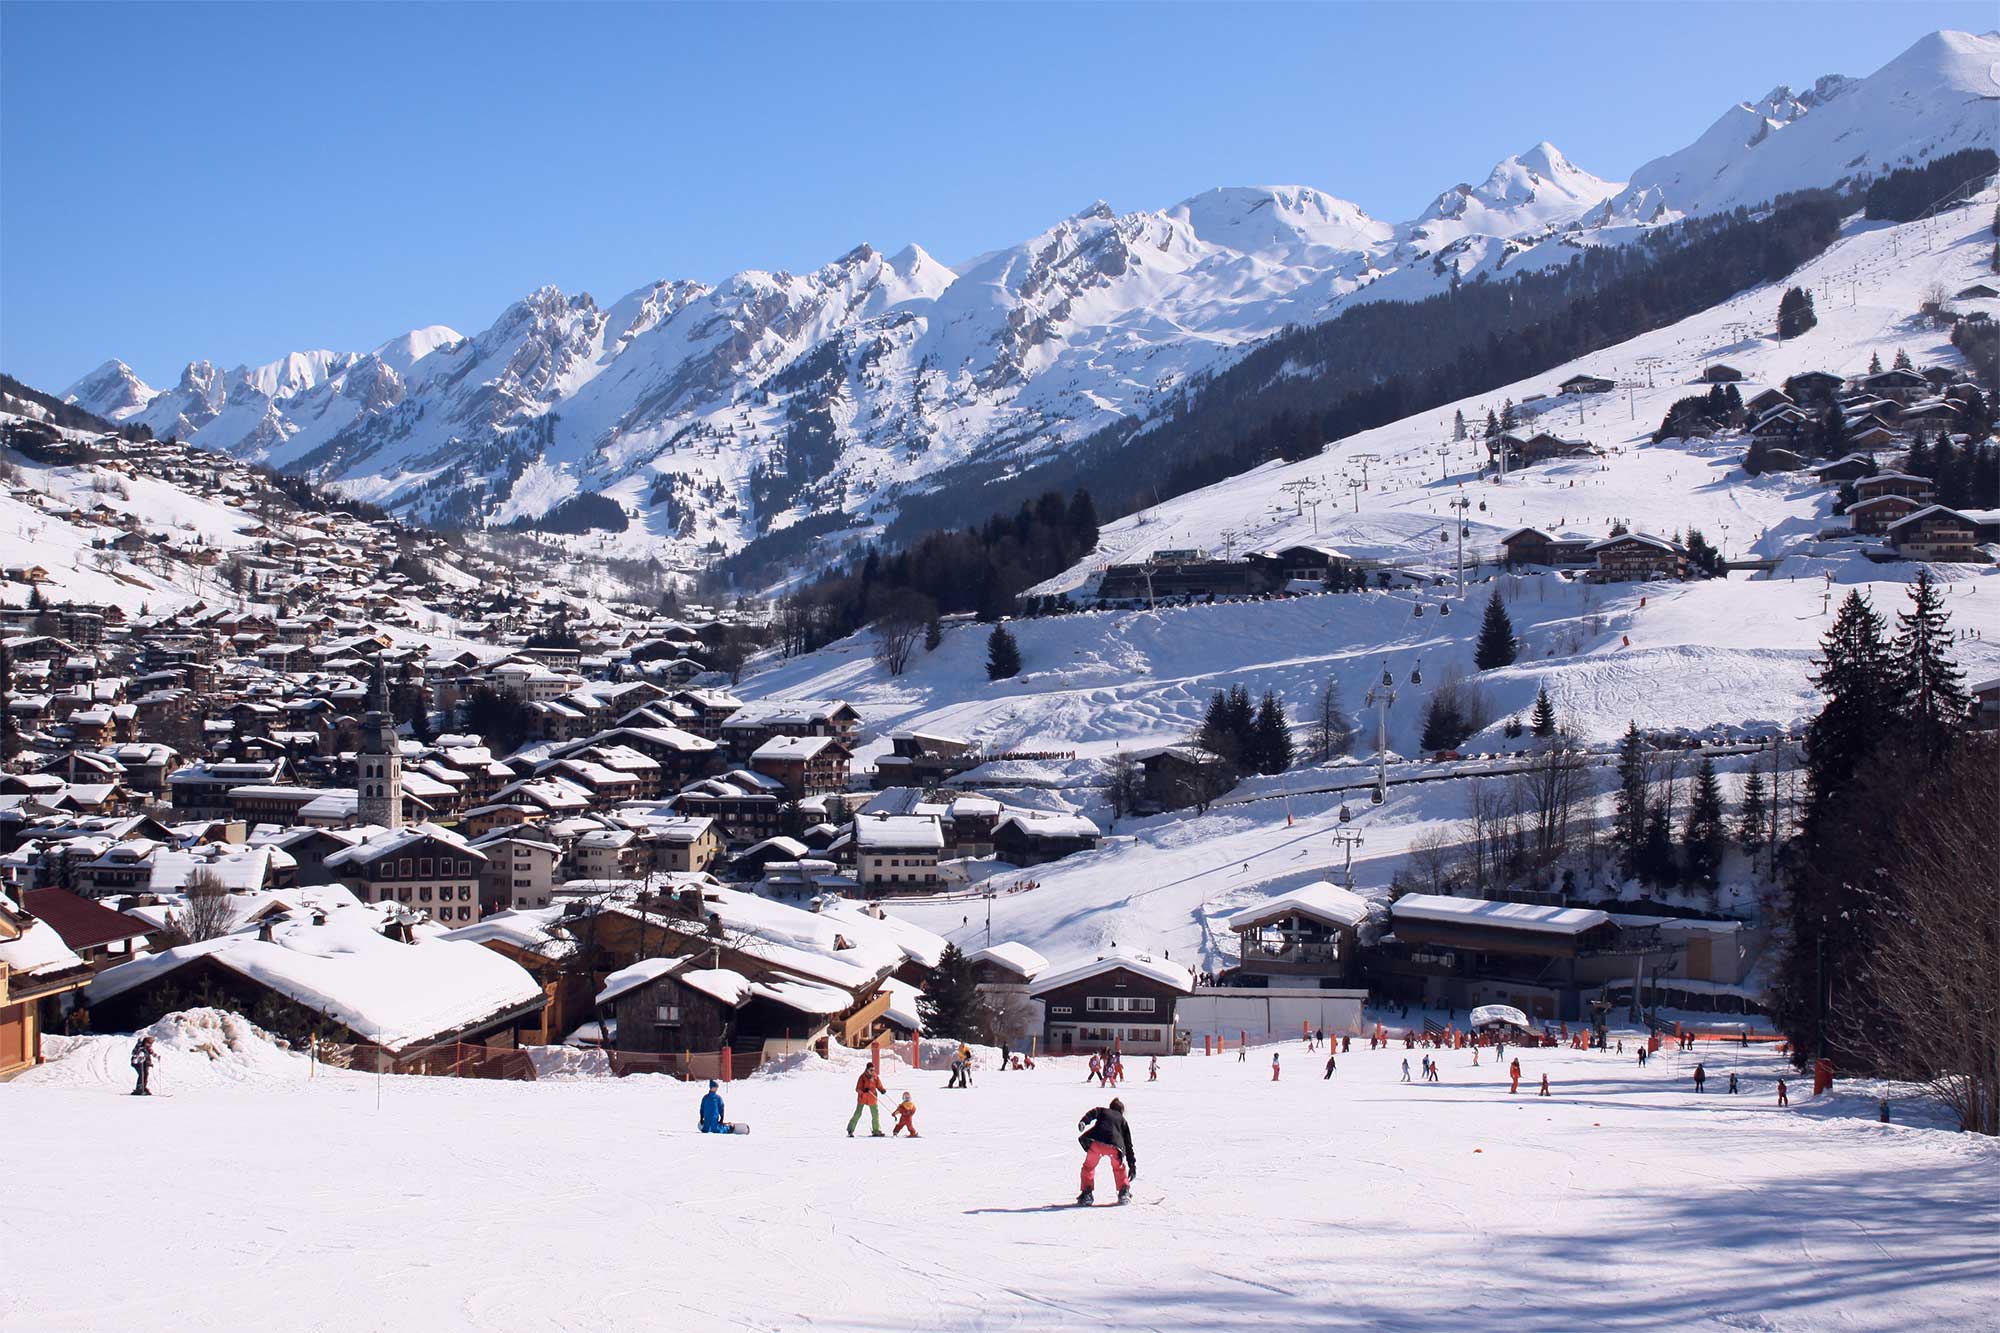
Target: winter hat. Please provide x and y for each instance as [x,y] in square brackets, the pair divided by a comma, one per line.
[1117,1104]
[711,1085]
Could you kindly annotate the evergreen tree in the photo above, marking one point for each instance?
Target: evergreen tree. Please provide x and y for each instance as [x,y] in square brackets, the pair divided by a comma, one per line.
[1703,558]
[1902,361]
[950,1006]
[1496,636]
[1629,826]
[933,634]
[1795,312]
[1874,363]
[1656,849]
[1934,700]
[1003,655]
[1704,836]
[1444,725]
[1273,736]
[1083,521]
[1512,730]
[1544,716]
[1859,679]
[1750,820]
[10,735]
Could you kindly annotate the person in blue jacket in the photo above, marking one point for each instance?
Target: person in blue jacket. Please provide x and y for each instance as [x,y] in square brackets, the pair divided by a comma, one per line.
[711,1112]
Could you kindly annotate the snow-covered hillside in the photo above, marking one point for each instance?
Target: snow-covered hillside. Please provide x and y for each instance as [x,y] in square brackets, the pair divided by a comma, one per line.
[715,413]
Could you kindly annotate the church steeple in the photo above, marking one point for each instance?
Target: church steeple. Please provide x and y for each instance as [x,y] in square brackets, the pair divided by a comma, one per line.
[379,763]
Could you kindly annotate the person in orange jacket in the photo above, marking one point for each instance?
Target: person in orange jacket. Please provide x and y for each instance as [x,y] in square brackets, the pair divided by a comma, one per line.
[906,1118]
[866,1089]
[1545,1086]
[1514,1073]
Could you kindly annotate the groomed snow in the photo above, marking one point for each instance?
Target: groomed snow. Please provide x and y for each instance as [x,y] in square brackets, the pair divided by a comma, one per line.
[1624,1201]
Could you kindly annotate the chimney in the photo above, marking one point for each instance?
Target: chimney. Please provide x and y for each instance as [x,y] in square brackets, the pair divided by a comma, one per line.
[264,930]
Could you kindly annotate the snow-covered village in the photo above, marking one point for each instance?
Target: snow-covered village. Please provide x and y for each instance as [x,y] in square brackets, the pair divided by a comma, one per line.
[1473,741]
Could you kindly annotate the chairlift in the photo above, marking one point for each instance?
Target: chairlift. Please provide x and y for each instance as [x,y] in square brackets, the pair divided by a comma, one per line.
[1417,611]
[1344,815]
[1416,676]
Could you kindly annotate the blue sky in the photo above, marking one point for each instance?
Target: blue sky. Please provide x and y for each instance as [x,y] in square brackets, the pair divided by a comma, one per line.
[238,181]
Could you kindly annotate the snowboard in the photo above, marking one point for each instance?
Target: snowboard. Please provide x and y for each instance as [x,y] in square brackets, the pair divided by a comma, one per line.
[737,1127]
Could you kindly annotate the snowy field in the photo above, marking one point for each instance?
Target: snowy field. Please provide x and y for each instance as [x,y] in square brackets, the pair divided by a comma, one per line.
[256,1199]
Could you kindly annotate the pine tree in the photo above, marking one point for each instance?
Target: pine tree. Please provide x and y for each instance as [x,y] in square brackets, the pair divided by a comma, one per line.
[1273,738]
[1902,361]
[1512,730]
[1750,820]
[1544,716]
[1874,363]
[1630,822]
[1705,836]
[1003,655]
[1656,848]
[1496,646]
[1444,726]
[1934,700]
[1458,425]
[950,1005]
[1795,312]
[933,634]
[1859,679]
[1082,519]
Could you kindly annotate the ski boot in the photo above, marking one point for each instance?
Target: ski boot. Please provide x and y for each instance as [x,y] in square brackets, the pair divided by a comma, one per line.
[1125,1196]
[1085,1199]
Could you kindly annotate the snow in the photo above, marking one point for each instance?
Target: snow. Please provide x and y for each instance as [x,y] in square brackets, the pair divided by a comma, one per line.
[635,976]
[1167,974]
[1623,1201]
[1327,902]
[1012,955]
[1480,912]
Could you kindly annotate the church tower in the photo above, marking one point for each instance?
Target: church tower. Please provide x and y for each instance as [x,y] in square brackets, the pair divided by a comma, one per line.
[380,761]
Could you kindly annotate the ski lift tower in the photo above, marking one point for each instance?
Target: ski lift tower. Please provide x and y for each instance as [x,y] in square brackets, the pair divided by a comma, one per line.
[1381,696]
[1348,840]
[1461,504]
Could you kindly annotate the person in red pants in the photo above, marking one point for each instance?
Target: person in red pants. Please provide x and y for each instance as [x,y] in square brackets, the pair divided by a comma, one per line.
[906,1118]
[1514,1073]
[1104,1133]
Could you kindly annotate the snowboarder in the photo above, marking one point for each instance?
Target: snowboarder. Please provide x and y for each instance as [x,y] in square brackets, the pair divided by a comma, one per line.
[1153,1070]
[1783,1100]
[866,1089]
[142,1064]
[1514,1073]
[1700,1077]
[906,1118]
[1104,1133]
[1732,1082]
[1545,1086]
[1329,1067]
[1274,1066]
[711,1111]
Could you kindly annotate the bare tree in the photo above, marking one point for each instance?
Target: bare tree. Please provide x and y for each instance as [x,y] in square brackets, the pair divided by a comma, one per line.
[1549,794]
[1332,731]
[1431,858]
[1927,1003]
[1126,786]
[898,629]
[209,912]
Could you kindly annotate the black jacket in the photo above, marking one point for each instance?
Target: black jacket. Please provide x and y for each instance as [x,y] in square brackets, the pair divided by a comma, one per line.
[1104,1125]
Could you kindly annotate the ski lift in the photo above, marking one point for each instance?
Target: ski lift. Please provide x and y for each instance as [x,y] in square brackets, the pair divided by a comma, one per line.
[1374,798]
[1417,611]
[1444,608]
[1344,815]
[1416,676]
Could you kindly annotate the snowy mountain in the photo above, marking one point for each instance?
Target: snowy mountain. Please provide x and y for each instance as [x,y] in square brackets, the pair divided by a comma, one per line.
[716,414]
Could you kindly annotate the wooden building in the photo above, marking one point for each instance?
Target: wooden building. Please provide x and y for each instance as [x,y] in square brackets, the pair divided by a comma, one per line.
[1121,1000]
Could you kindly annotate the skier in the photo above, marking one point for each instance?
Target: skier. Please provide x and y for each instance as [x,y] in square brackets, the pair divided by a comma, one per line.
[1242,1052]
[1095,1067]
[1406,1069]
[1347,1044]
[957,1079]
[866,1089]
[1329,1067]
[1514,1073]
[1153,1070]
[711,1112]
[142,1064]
[1319,1036]
[906,1118]
[1274,1066]
[964,1065]
[1783,1100]
[1545,1086]
[1732,1082]
[1104,1133]
[1700,1076]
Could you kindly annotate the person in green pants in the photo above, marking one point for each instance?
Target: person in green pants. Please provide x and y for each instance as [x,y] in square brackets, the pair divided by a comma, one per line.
[866,1089]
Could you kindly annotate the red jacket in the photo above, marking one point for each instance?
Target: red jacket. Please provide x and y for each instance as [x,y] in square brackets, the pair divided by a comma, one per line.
[866,1087]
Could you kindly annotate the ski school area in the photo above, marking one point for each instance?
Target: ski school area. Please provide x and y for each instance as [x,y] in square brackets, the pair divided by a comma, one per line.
[253,1190]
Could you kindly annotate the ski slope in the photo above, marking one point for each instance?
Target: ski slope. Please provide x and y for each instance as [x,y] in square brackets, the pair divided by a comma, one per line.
[264,1200]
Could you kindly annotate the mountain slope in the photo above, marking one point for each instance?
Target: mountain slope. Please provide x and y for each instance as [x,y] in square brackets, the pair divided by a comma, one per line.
[718,414]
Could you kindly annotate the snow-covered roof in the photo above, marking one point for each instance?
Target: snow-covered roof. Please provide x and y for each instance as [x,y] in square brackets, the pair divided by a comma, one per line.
[1322,902]
[385,991]
[638,974]
[1014,956]
[898,833]
[730,987]
[1486,912]
[1145,965]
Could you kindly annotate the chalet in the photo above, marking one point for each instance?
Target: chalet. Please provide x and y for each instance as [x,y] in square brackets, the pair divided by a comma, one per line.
[36,969]
[710,709]
[201,791]
[897,853]
[1778,423]
[367,975]
[1021,838]
[1122,1000]
[96,934]
[1900,386]
[1935,533]
[1986,704]
[1304,563]
[1190,578]
[748,806]
[1765,400]
[533,941]
[1470,951]
[918,758]
[682,844]
[1541,447]
[1719,373]
[805,765]
[519,872]
[1006,964]
[1309,936]
[1182,775]
[1532,546]
[420,866]
[751,725]
[674,1007]
[1895,483]
[1875,516]
[1816,385]
[1586,384]
[1978,291]
[1849,467]
[1638,556]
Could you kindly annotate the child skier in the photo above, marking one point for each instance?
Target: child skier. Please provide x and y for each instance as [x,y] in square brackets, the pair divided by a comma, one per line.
[906,1118]
[1274,1066]
[1153,1070]
[1329,1068]
[1514,1073]
[1104,1133]
[1545,1086]
[1096,1068]
[142,1065]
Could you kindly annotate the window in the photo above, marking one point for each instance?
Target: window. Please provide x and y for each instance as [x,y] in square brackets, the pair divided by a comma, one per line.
[403,868]
[523,884]
[1119,1004]
[465,867]
[1059,1009]
[465,914]
[424,867]
[669,1012]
